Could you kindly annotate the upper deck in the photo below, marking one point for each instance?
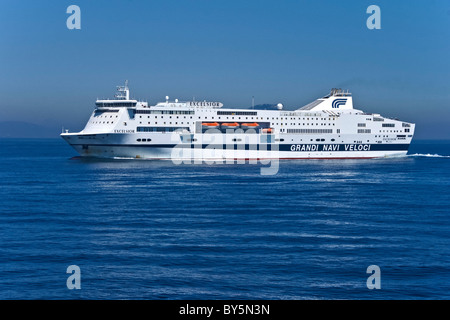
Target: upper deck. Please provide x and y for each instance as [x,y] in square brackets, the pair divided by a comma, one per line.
[331,114]
[122,100]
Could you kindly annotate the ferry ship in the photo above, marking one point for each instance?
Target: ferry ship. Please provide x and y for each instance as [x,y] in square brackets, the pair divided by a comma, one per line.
[327,128]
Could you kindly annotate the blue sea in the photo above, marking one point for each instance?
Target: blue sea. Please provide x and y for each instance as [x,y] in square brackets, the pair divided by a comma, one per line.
[142,229]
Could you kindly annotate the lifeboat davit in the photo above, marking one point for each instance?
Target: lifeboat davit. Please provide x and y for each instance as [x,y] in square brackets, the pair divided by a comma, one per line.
[253,125]
[232,125]
[210,125]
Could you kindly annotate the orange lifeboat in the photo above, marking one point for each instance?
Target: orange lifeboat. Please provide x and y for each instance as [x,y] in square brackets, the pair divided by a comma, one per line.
[232,125]
[253,125]
[268,130]
[209,125]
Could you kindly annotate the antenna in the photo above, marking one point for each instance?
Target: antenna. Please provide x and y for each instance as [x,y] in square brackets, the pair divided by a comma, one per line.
[123,90]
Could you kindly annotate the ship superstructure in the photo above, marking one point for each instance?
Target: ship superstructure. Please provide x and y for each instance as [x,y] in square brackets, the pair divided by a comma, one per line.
[328,127]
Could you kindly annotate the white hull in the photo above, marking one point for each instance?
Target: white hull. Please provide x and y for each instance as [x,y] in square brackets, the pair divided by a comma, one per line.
[108,146]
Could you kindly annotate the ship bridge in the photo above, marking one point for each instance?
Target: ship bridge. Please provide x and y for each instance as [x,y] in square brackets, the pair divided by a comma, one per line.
[122,100]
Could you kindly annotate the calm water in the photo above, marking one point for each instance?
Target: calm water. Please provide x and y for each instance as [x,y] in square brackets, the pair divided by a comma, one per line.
[153,230]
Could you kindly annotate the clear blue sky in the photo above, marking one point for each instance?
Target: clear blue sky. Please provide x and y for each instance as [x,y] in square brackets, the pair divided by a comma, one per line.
[278,51]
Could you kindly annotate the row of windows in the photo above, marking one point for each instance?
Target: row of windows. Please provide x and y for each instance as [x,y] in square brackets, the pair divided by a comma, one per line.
[309,130]
[364,131]
[105,116]
[165,111]
[156,122]
[143,140]
[268,118]
[276,118]
[99,112]
[361,124]
[206,118]
[115,104]
[237,113]
[306,124]
[162,117]
[388,125]
[159,129]
[228,118]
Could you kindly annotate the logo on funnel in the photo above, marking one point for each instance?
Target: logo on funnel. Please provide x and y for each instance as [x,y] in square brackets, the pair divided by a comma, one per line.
[338,102]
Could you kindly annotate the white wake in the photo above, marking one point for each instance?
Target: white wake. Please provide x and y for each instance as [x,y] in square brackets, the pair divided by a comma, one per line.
[428,155]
